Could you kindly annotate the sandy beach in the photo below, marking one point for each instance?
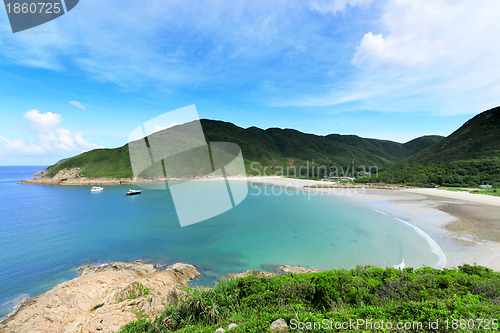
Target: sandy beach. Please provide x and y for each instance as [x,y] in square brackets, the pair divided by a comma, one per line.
[465,226]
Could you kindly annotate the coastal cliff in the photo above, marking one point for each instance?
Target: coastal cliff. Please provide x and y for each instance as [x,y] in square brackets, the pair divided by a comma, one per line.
[139,297]
[104,298]
[101,299]
[73,176]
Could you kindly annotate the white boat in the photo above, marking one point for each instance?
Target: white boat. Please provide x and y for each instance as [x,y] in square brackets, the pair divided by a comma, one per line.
[133,192]
[96,189]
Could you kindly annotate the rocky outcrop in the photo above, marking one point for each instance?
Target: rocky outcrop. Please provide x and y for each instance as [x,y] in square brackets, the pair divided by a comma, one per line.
[297,269]
[74,177]
[40,173]
[102,299]
[139,266]
[278,325]
[106,297]
[281,269]
[251,272]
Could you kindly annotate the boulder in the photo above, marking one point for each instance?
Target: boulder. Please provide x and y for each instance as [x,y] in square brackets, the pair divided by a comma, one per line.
[103,299]
[251,272]
[297,269]
[140,267]
[279,325]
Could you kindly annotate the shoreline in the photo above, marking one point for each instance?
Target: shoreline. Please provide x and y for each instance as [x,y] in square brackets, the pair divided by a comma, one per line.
[106,296]
[465,227]
[102,298]
[462,224]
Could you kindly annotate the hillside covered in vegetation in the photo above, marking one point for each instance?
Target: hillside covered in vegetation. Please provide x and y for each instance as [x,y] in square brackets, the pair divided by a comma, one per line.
[272,147]
[463,299]
[470,156]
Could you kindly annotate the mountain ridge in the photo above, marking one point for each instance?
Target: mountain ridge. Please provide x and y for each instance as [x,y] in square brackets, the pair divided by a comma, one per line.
[468,157]
[477,138]
[272,147]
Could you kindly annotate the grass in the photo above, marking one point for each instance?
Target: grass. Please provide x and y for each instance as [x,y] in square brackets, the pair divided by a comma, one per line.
[373,294]
[137,291]
[485,191]
[489,191]
[112,163]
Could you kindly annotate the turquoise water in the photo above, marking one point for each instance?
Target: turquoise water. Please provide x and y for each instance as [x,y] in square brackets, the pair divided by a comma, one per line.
[46,232]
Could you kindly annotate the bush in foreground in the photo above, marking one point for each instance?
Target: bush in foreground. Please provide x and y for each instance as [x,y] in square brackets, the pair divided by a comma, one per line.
[467,295]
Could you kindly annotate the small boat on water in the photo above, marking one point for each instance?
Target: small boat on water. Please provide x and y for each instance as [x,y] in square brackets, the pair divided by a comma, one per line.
[133,192]
[96,189]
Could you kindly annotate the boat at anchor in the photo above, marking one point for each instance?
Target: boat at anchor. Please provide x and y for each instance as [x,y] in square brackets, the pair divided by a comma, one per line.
[133,192]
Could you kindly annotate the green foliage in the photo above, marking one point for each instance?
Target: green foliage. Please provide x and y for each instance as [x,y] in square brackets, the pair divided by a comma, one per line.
[140,326]
[137,291]
[478,138]
[112,163]
[274,149]
[206,307]
[468,157]
[369,293]
[463,173]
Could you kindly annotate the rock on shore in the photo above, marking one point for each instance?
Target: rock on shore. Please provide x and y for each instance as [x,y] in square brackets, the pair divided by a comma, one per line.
[280,269]
[104,298]
[73,177]
[101,299]
[297,269]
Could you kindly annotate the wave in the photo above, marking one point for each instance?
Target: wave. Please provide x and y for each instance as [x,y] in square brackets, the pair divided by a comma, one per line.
[12,305]
[435,248]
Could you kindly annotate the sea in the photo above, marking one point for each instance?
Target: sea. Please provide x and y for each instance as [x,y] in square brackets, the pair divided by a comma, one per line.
[47,232]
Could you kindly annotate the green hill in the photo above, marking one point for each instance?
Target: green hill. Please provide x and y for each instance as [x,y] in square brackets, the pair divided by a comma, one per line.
[416,145]
[476,139]
[272,147]
[393,151]
[470,156]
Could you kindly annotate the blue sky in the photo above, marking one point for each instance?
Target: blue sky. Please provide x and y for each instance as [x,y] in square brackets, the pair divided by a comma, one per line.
[394,69]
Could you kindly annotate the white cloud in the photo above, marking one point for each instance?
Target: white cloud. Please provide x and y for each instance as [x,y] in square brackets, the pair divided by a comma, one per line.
[42,121]
[329,99]
[451,45]
[425,32]
[50,140]
[376,49]
[428,32]
[434,56]
[78,105]
[171,43]
[336,6]
[19,146]
[442,52]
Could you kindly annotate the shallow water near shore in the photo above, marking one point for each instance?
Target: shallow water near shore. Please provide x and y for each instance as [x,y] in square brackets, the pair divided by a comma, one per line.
[48,231]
